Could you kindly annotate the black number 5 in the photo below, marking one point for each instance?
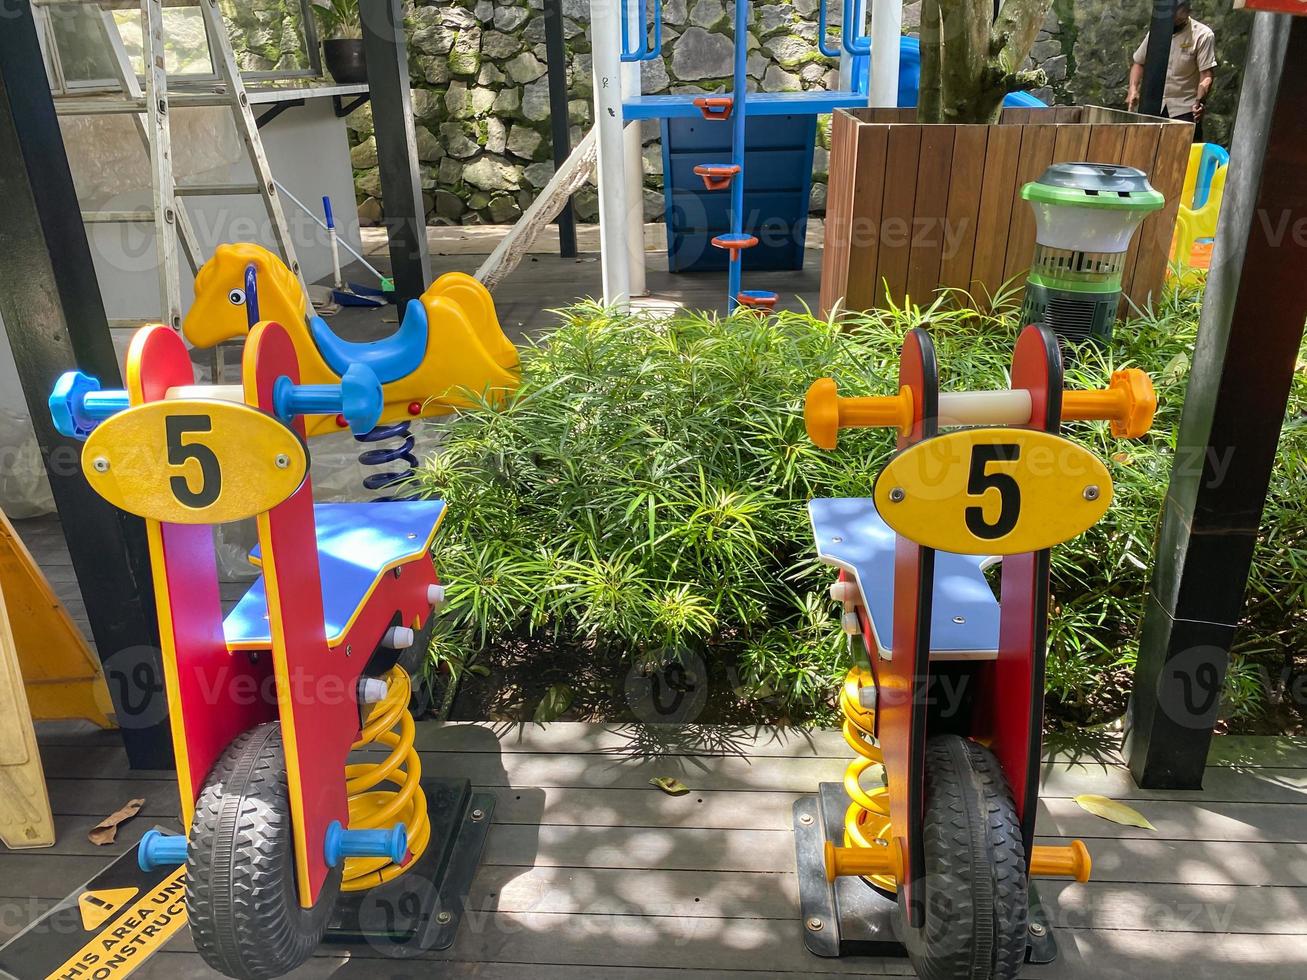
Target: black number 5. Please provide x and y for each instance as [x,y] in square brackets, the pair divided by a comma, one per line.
[179,453]
[980,481]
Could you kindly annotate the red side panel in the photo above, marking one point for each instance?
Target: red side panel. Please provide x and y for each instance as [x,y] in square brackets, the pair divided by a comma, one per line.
[1010,710]
[315,685]
[212,695]
[902,681]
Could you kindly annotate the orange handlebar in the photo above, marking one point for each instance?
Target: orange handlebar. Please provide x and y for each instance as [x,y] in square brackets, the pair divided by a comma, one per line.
[1129,403]
[825,412]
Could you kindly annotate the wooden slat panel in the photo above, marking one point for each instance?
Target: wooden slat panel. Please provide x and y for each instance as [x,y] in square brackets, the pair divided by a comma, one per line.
[1001,154]
[1105,143]
[934,169]
[868,208]
[1175,908]
[961,224]
[1037,143]
[839,206]
[1072,144]
[1139,150]
[1166,175]
[901,157]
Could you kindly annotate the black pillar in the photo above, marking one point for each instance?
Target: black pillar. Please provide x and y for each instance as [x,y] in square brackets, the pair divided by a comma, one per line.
[1156,57]
[556,63]
[1248,341]
[397,159]
[55,319]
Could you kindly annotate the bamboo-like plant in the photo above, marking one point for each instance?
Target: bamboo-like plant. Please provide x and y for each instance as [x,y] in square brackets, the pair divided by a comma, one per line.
[971,56]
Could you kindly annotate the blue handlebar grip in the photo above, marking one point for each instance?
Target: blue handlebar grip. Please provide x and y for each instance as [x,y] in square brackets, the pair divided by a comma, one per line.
[77,404]
[341,843]
[358,398]
[160,850]
[326,207]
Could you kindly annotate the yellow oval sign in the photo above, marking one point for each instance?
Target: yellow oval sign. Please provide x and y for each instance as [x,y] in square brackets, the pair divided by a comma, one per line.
[993,491]
[191,461]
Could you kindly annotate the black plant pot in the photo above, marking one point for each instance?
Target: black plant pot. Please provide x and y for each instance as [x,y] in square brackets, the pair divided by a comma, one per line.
[345,59]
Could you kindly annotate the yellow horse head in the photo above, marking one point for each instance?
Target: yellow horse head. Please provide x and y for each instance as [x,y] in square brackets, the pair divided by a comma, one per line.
[219,311]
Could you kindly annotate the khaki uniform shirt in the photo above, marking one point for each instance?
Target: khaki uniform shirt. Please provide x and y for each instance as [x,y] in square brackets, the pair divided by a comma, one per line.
[1193,50]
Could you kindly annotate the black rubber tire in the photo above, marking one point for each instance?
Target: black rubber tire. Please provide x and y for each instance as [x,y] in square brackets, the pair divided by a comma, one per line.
[977,890]
[241,896]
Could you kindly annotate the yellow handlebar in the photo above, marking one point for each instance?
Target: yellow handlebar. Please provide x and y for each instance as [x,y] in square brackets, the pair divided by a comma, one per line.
[1129,403]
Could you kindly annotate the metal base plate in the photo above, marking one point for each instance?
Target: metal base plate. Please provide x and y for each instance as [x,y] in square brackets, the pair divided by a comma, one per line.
[851,917]
[421,909]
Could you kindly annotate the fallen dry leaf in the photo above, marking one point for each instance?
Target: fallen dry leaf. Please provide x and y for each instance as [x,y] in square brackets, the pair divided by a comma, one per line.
[107,829]
[670,785]
[1113,810]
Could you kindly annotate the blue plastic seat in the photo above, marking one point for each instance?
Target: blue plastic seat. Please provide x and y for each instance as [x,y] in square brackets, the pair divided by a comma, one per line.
[964,612]
[357,545]
[390,358]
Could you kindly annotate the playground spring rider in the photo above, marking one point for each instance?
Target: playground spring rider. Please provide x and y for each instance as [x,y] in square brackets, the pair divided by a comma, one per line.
[949,695]
[266,706]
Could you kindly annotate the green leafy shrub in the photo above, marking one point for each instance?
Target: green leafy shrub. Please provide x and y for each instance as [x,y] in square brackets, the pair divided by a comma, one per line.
[644,494]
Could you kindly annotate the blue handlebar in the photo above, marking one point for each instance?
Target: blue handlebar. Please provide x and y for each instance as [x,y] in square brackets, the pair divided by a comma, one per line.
[77,404]
[160,850]
[341,843]
[326,208]
[358,398]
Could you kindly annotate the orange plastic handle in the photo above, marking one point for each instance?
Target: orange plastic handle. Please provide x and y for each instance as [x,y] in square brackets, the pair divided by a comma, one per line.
[1065,861]
[825,412]
[1129,403]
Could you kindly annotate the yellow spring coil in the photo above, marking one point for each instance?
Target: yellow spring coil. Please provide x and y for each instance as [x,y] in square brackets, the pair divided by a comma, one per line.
[370,807]
[867,819]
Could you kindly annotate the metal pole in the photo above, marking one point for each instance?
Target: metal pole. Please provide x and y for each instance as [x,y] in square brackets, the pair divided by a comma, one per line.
[886,28]
[605,46]
[397,158]
[634,159]
[561,138]
[55,319]
[738,114]
[1248,341]
[1156,57]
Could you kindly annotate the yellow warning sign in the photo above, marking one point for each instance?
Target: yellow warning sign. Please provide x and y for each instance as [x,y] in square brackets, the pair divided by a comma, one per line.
[142,928]
[98,906]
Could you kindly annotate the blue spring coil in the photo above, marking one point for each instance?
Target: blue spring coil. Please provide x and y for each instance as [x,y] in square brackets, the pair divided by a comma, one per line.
[385,455]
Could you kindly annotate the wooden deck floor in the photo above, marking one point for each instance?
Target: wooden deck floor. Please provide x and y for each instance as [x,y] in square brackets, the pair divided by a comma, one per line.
[590,872]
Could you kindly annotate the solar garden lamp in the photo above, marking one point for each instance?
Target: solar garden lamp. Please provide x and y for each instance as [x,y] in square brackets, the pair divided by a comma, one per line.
[1128,402]
[78,404]
[1085,216]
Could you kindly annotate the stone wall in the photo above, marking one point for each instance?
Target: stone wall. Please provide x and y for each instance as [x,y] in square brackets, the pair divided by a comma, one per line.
[481,97]
[481,100]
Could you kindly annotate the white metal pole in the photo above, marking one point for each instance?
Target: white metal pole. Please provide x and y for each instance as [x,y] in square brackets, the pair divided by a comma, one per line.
[886,29]
[634,161]
[605,46]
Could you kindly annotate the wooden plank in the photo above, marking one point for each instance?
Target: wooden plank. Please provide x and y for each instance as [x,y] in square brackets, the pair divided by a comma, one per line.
[772,851]
[1175,908]
[928,232]
[1138,150]
[1037,144]
[1071,144]
[965,183]
[1265,785]
[1166,175]
[1206,821]
[895,240]
[1105,143]
[83,796]
[1129,955]
[866,228]
[839,208]
[1001,153]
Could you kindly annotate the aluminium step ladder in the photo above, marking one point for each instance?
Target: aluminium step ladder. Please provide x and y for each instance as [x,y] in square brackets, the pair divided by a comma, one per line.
[150,108]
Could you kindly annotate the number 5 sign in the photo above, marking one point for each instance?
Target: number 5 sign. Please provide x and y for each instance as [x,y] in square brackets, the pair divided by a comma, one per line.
[993,491]
[191,461]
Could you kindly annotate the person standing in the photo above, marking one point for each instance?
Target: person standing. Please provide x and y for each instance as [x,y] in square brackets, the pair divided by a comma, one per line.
[1188,72]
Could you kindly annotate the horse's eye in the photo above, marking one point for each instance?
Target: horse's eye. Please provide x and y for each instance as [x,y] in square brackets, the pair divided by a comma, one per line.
[236,297]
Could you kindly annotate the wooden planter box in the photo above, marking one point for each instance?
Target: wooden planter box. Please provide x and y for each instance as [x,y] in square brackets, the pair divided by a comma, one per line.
[914,207]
